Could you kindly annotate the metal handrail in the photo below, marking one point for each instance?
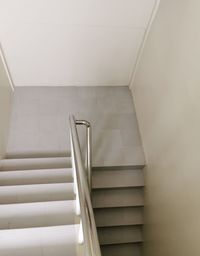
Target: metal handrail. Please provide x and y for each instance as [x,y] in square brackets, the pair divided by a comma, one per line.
[89,149]
[88,232]
[3,59]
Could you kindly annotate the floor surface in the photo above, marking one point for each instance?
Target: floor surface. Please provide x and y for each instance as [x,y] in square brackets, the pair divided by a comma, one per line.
[39,122]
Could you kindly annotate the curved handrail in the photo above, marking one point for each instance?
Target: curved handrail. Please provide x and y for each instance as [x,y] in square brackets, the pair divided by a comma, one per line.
[89,232]
[89,150]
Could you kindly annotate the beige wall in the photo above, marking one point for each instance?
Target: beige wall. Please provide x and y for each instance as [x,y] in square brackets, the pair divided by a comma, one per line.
[5,107]
[167,97]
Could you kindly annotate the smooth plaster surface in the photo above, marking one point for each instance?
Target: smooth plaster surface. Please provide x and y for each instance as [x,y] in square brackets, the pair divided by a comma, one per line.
[5,107]
[166,94]
[73,42]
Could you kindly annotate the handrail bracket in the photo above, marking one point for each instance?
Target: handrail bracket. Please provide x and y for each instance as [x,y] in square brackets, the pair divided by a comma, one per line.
[89,149]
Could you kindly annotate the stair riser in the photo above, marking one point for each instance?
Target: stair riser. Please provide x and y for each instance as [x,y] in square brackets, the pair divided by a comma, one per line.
[37,214]
[36,193]
[105,198]
[36,181]
[119,216]
[118,178]
[121,250]
[35,177]
[120,235]
[35,163]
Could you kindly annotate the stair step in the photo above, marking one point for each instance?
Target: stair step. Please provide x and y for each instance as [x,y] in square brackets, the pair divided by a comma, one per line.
[36,176]
[35,163]
[16,154]
[118,235]
[45,241]
[118,197]
[40,214]
[121,250]
[36,193]
[122,178]
[118,216]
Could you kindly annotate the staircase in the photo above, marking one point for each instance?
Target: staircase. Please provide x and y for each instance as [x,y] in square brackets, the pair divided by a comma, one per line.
[37,207]
[117,197]
[46,208]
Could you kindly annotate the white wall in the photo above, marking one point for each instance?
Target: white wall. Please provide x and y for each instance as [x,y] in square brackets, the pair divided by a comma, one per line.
[5,106]
[73,42]
[167,98]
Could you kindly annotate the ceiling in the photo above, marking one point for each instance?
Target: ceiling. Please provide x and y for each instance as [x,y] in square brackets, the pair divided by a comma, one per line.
[72,42]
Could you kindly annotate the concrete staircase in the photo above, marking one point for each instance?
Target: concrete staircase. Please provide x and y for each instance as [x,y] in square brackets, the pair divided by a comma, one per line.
[37,207]
[117,197]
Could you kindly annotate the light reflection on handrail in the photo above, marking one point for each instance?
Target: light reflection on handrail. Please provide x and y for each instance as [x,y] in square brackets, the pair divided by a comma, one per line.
[3,60]
[88,151]
[89,237]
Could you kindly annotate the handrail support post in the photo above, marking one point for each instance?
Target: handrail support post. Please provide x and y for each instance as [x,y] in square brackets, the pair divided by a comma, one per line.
[89,236]
[89,150]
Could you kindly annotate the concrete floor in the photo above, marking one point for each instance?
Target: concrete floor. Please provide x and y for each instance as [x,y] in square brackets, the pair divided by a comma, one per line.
[39,123]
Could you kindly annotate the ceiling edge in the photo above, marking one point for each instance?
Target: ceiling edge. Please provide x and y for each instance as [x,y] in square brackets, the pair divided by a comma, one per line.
[141,49]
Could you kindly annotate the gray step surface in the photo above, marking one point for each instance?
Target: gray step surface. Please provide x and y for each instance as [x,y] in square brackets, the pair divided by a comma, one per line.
[118,235]
[117,178]
[41,176]
[121,250]
[43,241]
[35,163]
[122,216]
[36,193]
[25,215]
[17,154]
[118,197]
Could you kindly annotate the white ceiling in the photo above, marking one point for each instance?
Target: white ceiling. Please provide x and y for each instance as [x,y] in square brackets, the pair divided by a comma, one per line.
[72,42]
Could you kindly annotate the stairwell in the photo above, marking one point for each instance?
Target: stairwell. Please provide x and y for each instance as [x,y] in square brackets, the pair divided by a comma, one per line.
[38,196]
[38,215]
[37,207]
[117,197]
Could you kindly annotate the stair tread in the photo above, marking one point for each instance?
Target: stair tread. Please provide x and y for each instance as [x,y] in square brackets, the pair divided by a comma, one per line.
[42,241]
[35,163]
[38,176]
[36,193]
[37,214]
